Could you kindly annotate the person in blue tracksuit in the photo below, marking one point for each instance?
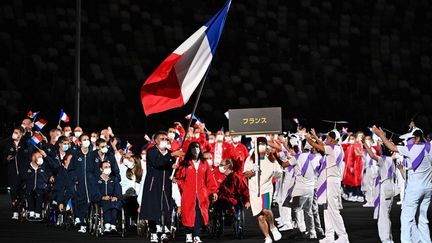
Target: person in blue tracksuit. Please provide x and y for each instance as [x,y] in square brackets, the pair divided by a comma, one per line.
[36,180]
[63,185]
[81,173]
[102,153]
[15,158]
[110,196]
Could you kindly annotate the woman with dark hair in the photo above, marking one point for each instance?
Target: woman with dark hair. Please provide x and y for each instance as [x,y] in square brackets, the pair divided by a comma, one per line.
[196,182]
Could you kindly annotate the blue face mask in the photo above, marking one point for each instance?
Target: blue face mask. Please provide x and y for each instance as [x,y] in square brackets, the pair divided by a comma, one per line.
[65,147]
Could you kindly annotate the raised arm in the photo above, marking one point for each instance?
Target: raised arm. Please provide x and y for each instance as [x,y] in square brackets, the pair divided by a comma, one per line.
[318,145]
[380,133]
[370,152]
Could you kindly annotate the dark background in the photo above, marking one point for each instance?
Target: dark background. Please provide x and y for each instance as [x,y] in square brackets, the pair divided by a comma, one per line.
[367,62]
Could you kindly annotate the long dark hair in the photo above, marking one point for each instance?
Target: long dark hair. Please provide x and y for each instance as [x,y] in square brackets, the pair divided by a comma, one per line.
[189,155]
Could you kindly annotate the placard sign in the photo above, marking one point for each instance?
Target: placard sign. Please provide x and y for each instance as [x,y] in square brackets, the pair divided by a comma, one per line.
[255,121]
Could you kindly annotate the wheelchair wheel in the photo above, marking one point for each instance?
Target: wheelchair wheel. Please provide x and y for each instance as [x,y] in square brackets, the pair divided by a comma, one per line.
[216,224]
[123,223]
[239,224]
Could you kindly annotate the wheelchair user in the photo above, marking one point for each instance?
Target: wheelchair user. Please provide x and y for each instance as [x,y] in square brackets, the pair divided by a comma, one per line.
[131,173]
[37,177]
[233,191]
[110,192]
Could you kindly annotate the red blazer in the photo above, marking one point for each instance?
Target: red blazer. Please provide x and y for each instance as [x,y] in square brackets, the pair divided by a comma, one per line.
[234,188]
[226,150]
[352,160]
[193,184]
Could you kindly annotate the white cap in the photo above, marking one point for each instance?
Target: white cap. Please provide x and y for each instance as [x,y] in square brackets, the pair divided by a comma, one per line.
[409,135]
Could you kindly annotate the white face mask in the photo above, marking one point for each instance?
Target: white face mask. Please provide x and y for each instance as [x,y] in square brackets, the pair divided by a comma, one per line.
[93,139]
[15,136]
[236,139]
[262,148]
[68,133]
[211,140]
[77,134]
[107,171]
[163,145]
[222,169]
[129,164]
[102,136]
[86,143]
[197,135]
[39,161]
[228,139]
[143,157]
[171,135]
[104,150]
[219,138]
[210,162]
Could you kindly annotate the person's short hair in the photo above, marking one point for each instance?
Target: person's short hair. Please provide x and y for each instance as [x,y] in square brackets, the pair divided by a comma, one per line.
[157,134]
[83,135]
[21,129]
[62,139]
[332,135]
[99,141]
[229,163]
[103,162]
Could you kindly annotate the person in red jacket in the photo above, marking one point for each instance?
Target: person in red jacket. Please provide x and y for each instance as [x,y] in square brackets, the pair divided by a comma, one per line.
[233,191]
[238,154]
[354,170]
[197,134]
[220,149]
[196,183]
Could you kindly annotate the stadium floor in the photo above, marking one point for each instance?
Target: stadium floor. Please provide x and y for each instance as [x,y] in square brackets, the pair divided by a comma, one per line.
[358,221]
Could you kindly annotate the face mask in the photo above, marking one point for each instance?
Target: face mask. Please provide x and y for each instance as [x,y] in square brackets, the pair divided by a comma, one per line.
[39,161]
[197,135]
[14,136]
[93,139]
[228,139]
[86,143]
[102,136]
[163,145]
[211,140]
[262,148]
[219,138]
[67,134]
[23,126]
[171,135]
[236,139]
[222,169]
[107,171]
[104,150]
[65,147]
[369,143]
[129,164]
[195,151]
[351,141]
[77,134]
[143,157]
[210,162]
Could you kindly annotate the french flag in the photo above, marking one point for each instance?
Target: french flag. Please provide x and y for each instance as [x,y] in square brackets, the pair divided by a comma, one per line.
[128,146]
[32,114]
[40,124]
[36,139]
[173,82]
[63,116]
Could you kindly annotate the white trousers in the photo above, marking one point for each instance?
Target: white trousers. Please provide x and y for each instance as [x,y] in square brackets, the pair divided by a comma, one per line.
[384,223]
[410,230]
[333,220]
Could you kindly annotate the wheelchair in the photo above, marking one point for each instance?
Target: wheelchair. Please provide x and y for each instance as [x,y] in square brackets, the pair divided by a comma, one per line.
[226,215]
[95,221]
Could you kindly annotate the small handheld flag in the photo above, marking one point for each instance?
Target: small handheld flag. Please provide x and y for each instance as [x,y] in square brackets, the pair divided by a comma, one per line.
[40,124]
[63,117]
[33,115]
[69,205]
[128,146]
[36,139]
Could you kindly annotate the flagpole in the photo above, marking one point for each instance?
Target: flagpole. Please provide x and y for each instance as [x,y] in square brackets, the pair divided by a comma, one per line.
[77,63]
[196,102]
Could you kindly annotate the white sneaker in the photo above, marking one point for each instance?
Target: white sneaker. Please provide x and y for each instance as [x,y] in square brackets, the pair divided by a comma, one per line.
[359,199]
[77,221]
[15,215]
[368,205]
[326,240]
[37,216]
[399,203]
[189,238]
[278,219]
[113,228]
[342,240]
[166,230]
[158,229]
[285,228]
[351,199]
[164,238]
[154,237]
[197,239]
[31,214]
[107,227]
[276,234]
[268,240]
[82,229]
